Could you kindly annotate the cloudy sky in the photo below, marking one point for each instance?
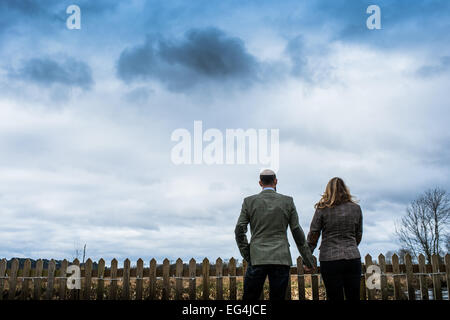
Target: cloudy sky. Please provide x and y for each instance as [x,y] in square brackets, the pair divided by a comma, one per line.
[86,118]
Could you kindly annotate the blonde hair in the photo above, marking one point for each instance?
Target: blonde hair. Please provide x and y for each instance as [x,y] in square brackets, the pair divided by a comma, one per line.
[335,194]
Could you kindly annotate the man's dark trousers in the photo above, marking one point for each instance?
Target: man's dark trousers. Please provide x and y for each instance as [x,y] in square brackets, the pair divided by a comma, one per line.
[256,275]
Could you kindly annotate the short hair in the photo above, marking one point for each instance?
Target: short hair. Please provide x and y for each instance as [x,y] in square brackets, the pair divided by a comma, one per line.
[267,177]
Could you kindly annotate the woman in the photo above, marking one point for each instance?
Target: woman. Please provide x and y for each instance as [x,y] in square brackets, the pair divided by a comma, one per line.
[339,219]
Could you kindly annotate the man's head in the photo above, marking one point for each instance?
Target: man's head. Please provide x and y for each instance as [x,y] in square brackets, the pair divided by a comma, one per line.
[267,178]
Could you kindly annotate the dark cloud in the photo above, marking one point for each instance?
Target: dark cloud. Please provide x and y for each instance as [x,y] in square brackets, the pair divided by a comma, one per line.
[432,70]
[46,72]
[202,55]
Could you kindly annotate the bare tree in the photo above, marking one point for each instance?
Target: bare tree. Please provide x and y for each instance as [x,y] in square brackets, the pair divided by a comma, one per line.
[388,256]
[402,253]
[425,223]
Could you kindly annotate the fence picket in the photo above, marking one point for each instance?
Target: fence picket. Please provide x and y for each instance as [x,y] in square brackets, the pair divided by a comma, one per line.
[383,279]
[100,281]
[113,284]
[152,279]
[166,279]
[139,278]
[13,279]
[26,282]
[219,279]
[409,277]
[300,279]
[437,293]
[192,279]
[50,280]
[38,281]
[179,281]
[369,292]
[315,282]
[2,274]
[126,280]
[397,286]
[62,283]
[232,275]
[423,279]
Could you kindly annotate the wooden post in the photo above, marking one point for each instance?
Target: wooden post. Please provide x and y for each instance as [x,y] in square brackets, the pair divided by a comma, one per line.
[219,279]
[179,280]
[75,293]
[437,293]
[315,282]
[398,295]
[38,281]
[205,281]
[152,279]
[26,282]
[2,274]
[409,277]
[13,279]
[100,281]
[383,279]
[126,280]
[300,279]
[139,278]
[51,280]
[87,280]
[288,290]
[362,283]
[244,267]
[113,285]
[62,283]
[447,274]
[166,280]
[423,278]
[193,279]
[369,292]
[232,273]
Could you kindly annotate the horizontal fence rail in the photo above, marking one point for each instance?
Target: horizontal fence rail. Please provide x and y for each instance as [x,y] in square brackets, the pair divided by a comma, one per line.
[218,281]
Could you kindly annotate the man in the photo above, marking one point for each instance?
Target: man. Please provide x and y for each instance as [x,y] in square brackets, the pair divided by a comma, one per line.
[269,214]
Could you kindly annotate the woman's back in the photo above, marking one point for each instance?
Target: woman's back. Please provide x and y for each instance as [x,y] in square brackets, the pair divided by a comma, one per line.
[341,228]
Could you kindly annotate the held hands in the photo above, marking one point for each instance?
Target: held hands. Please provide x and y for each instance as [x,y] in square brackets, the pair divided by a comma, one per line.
[307,269]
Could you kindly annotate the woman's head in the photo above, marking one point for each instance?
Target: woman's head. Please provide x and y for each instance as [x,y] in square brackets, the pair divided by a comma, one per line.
[335,194]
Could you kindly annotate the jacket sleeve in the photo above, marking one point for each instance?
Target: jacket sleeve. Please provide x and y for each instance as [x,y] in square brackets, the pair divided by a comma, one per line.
[315,230]
[359,228]
[299,238]
[240,233]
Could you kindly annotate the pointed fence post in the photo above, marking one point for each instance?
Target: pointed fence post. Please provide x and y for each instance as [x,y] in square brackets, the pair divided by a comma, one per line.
[13,279]
[179,279]
[113,283]
[383,279]
[205,281]
[219,279]
[192,279]
[410,277]
[232,275]
[26,282]
[50,280]
[300,279]
[166,280]
[139,278]
[437,293]
[38,280]
[100,281]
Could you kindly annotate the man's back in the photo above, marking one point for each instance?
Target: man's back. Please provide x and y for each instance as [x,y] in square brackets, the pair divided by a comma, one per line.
[269,214]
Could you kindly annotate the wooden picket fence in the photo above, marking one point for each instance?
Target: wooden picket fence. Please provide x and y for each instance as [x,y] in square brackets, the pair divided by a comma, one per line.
[168,281]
